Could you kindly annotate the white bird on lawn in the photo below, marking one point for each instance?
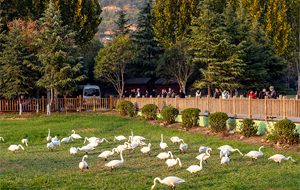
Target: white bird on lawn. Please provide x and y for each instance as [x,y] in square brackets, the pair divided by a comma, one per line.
[203,149]
[73,150]
[183,146]
[115,163]
[101,141]
[147,149]
[142,143]
[176,139]
[83,164]
[173,163]
[163,145]
[196,168]
[25,141]
[165,155]
[48,137]
[230,149]
[67,139]
[123,147]
[223,152]
[91,139]
[86,149]
[171,181]
[225,160]
[1,138]
[56,143]
[136,138]
[205,155]
[13,148]
[54,139]
[120,138]
[75,136]
[93,144]
[50,146]
[279,158]
[255,154]
[133,145]
[108,153]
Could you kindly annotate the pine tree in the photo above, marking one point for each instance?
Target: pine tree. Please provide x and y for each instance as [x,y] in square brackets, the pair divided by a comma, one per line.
[57,54]
[149,51]
[122,24]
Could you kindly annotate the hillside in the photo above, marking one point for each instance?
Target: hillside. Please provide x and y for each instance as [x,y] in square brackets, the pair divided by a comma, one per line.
[109,13]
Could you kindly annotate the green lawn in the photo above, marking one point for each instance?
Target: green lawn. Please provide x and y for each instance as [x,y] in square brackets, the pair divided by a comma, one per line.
[39,168]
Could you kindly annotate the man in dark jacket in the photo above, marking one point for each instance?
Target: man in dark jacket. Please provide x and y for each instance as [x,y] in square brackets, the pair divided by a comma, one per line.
[262,94]
[147,94]
[272,94]
[217,94]
[181,94]
[153,93]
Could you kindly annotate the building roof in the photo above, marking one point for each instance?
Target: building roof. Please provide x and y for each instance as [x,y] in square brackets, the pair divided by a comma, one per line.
[137,81]
[162,81]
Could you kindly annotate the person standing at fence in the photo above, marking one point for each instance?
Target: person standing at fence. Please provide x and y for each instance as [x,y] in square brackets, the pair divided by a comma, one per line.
[164,93]
[181,94]
[153,93]
[252,95]
[125,93]
[198,94]
[217,93]
[225,94]
[147,94]
[138,93]
[132,93]
[170,93]
[262,94]
[272,94]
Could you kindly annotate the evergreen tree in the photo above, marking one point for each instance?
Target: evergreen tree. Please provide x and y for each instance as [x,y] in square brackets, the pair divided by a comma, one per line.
[149,51]
[122,24]
[57,54]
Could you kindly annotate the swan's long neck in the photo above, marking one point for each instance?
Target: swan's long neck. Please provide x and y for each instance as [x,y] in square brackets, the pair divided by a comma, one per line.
[49,133]
[178,160]
[122,160]
[170,153]
[259,150]
[162,138]
[85,139]
[73,132]
[158,179]
[115,138]
[207,153]
[182,141]
[104,140]
[83,159]
[19,146]
[132,133]
[238,151]
[201,160]
[290,158]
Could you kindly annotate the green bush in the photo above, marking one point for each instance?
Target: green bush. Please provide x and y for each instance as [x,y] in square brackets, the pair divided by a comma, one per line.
[190,117]
[125,107]
[149,112]
[169,114]
[284,132]
[248,127]
[218,121]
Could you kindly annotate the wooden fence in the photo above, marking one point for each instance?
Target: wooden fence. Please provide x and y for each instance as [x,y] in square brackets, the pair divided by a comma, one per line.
[282,107]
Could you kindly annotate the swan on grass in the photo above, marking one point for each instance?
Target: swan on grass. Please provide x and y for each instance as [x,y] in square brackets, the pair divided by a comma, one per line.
[230,149]
[75,136]
[223,152]
[115,163]
[120,138]
[101,141]
[204,156]
[173,162]
[176,140]
[146,150]
[83,164]
[165,155]
[86,149]
[13,147]
[93,144]
[73,150]
[171,181]
[1,138]
[136,138]
[133,145]
[163,145]
[54,139]
[123,147]
[202,149]
[183,146]
[225,160]
[91,139]
[50,145]
[48,137]
[255,154]
[25,141]
[196,168]
[279,158]
[56,143]
[108,153]
[67,139]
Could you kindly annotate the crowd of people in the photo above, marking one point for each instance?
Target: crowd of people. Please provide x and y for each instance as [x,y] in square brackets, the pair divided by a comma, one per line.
[262,94]
[164,93]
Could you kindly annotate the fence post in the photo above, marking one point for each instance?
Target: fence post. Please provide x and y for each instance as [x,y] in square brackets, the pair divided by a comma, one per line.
[184,103]
[220,104]
[284,107]
[157,97]
[79,103]
[266,110]
[37,106]
[249,107]
[207,102]
[94,98]
[234,110]
[20,104]
[111,102]
[43,103]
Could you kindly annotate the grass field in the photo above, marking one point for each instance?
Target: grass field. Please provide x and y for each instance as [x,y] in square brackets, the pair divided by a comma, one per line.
[39,168]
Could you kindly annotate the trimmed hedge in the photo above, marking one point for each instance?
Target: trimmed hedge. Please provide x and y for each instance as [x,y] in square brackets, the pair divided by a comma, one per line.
[284,132]
[149,112]
[248,127]
[190,117]
[169,114]
[125,107]
[218,121]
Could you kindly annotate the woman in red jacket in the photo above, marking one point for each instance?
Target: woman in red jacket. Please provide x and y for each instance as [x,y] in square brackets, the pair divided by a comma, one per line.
[252,95]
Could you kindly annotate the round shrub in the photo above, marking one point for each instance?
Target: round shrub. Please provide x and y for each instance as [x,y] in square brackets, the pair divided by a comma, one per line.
[218,121]
[125,107]
[149,111]
[169,114]
[284,132]
[190,117]
[248,127]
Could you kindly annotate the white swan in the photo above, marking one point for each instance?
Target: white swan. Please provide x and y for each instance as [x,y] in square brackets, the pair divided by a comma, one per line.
[75,136]
[107,154]
[225,160]
[136,138]
[146,150]
[54,139]
[171,181]
[73,150]
[86,149]
[183,146]
[165,155]
[196,168]
[279,158]
[56,143]
[173,163]
[203,149]
[91,139]
[123,147]
[133,145]
[93,144]
[50,146]
[163,145]
[101,141]
[83,164]
[175,140]
[1,138]
[120,138]
[67,139]
[205,155]
[255,154]
[25,141]
[13,147]
[142,143]
[230,149]
[115,163]
[48,137]
[223,152]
